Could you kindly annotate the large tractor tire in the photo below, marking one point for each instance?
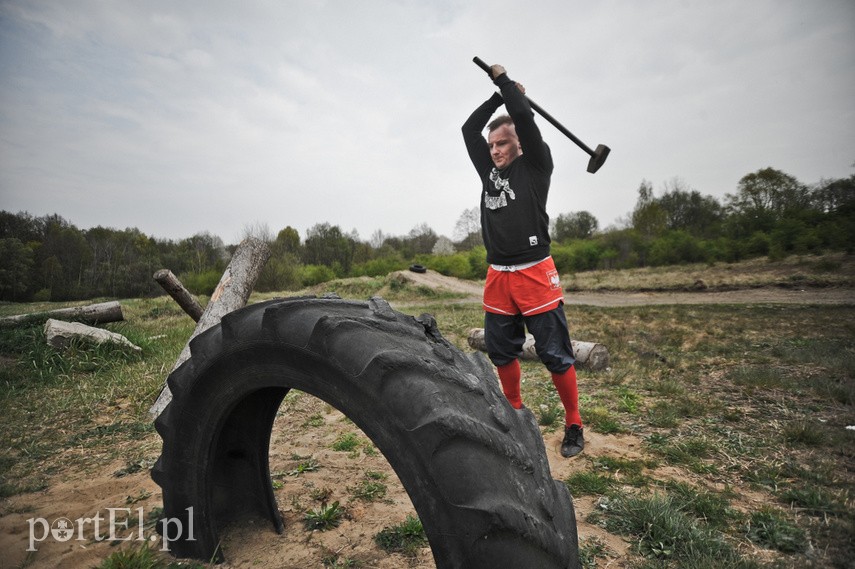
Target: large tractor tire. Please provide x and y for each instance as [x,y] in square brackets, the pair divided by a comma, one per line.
[475,468]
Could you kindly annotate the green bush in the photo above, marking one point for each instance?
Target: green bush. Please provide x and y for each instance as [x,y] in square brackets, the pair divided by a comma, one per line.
[676,247]
[456,265]
[280,273]
[201,283]
[379,267]
[757,245]
[478,262]
[580,255]
[43,295]
[312,275]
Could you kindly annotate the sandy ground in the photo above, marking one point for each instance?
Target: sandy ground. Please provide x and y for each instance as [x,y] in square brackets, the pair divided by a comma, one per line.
[81,497]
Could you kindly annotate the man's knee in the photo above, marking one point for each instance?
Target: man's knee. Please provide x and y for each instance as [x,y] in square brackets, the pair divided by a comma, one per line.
[504,337]
[552,340]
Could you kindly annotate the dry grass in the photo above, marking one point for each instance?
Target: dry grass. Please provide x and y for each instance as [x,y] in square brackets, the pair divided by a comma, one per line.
[834,270]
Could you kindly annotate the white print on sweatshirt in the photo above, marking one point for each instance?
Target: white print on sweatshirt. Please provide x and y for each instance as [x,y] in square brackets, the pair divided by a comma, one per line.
[504,186]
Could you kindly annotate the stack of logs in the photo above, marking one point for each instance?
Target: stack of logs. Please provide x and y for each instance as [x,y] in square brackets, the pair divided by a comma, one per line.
[64,324]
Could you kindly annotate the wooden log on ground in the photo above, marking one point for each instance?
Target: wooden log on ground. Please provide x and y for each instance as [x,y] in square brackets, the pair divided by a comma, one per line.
[181,295]
[60,334]
[589,355]
[90,314]
[231,293]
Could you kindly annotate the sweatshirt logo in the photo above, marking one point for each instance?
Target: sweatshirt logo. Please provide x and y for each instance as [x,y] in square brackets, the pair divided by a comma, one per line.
[504,187]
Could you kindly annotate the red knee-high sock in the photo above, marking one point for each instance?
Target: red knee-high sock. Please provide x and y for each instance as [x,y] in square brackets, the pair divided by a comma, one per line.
[509,375]
[565,384]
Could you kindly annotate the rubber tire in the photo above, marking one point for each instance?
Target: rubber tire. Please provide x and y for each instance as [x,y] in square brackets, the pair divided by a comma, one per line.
[475,468]
[418,268]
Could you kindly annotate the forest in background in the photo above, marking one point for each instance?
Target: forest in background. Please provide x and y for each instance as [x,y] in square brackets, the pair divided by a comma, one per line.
[771,214]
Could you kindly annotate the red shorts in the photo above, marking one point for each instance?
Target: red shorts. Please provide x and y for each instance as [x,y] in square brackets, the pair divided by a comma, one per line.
[527,291]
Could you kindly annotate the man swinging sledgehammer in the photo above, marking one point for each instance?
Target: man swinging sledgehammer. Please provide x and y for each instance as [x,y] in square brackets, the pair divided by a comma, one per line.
[522,289]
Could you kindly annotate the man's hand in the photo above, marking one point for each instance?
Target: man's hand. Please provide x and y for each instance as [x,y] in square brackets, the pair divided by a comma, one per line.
[496,70]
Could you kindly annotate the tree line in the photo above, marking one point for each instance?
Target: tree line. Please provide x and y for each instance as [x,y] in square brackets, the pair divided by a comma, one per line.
[770,214]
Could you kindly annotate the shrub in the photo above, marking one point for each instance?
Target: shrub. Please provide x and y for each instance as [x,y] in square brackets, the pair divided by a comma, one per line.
[478,262]
[316,274]
[201,283]
[676,247]
[456,265]
[379,267]
[577,256]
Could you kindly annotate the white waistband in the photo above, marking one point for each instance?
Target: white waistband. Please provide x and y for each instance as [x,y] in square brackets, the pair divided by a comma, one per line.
[512,268]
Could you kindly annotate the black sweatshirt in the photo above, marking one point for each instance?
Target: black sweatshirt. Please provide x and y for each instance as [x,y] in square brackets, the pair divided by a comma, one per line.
[514,221]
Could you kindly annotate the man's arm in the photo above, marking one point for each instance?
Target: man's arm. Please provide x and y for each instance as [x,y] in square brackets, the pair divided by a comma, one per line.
[520,111]
[476,145]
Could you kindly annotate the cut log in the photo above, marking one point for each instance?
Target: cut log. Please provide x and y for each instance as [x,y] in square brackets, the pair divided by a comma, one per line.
[181,295]
[231,293]
[589,355]
[59,334]
[91,314]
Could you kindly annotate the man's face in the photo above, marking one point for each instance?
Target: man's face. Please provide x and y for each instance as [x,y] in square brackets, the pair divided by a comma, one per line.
[504,145]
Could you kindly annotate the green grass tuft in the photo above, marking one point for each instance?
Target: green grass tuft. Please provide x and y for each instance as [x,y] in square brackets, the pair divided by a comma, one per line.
[406,538]
[769,528]
[586,483]
[327,517]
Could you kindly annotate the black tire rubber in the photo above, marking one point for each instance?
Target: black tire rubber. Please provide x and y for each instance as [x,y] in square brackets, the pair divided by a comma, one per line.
[418,268]
[475,468]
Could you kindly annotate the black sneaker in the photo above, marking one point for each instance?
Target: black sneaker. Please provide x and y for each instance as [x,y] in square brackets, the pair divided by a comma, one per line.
[573,442]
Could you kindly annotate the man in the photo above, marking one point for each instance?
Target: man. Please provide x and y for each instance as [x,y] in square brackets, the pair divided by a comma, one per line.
[522,288]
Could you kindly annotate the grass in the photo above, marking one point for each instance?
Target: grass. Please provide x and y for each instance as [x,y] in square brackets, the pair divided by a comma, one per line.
[326,517]
[729,401]
[587,483]
[770,528]
[407,537]
[661,530]
[347,442]
[145,557]
[304,464]
[830,270]
[371,488]
[590,550]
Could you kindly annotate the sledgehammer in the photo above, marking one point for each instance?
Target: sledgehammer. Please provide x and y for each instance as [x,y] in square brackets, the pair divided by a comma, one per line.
[598,156]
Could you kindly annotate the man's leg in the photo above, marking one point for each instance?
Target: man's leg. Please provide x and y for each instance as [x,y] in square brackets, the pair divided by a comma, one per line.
[504,336]
[568,390]
[509,376]
[552,344]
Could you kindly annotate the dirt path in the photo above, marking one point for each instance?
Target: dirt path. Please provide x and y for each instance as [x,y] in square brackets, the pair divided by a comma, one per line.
[765,295]
[747,296]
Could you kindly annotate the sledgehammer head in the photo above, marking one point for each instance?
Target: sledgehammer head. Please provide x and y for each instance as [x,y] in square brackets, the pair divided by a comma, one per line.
[598,157]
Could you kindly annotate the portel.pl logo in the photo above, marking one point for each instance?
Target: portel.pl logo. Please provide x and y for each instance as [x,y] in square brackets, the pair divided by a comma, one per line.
[119,524]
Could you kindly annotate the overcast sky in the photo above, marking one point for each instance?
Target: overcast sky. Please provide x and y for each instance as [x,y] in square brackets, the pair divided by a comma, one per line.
[181,117]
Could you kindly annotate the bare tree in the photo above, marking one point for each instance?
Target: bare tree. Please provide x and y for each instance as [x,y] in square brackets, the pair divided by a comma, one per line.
[258,230]
[377,238]
[468,223]
[467,230]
